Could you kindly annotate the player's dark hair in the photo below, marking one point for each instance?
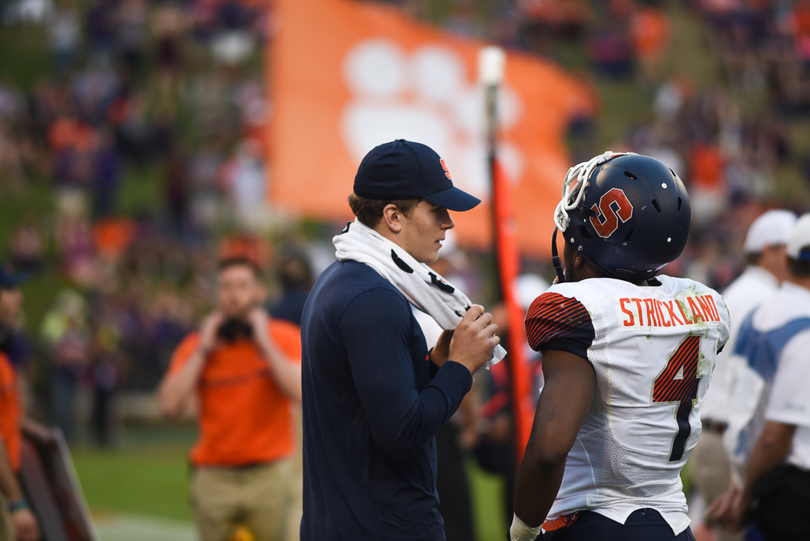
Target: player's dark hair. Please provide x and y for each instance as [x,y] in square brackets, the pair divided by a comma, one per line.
[240,261]
[752,258]
[370,211]
[799,268]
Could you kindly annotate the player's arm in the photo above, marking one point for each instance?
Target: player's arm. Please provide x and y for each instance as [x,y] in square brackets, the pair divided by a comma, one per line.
[561,410]
[562,329]
[770,450]
[286,374]
[25,524]
[176,391]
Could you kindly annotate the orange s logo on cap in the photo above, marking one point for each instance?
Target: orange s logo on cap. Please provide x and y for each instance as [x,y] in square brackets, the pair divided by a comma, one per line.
[446,172]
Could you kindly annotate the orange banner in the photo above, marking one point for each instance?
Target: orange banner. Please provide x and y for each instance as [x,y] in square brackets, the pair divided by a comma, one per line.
[346,76]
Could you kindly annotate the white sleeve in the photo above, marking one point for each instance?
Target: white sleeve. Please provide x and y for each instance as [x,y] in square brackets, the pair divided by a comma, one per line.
[790,397]
[430,328]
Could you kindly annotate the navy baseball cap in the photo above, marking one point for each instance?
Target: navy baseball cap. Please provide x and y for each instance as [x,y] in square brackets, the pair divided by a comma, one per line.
[407,170]
[9,280]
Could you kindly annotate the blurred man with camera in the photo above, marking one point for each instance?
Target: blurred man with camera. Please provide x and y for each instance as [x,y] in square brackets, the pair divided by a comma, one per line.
[243,370]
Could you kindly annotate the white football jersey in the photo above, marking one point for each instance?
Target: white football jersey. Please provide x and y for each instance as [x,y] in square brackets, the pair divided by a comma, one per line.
[653,350]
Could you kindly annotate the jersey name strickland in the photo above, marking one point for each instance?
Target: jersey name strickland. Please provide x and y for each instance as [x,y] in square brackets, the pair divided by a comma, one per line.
[693,309]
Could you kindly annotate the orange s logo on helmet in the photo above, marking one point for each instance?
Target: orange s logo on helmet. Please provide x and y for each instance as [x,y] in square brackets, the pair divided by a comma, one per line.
[613,206]
[446,172]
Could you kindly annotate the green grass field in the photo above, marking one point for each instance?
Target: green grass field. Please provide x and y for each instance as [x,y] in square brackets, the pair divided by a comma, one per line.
[149,478]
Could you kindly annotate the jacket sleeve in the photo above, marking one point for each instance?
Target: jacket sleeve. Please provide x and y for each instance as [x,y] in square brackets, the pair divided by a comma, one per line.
[376,330]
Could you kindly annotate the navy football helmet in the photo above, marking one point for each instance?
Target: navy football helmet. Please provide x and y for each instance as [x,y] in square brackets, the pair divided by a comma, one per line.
[627,214]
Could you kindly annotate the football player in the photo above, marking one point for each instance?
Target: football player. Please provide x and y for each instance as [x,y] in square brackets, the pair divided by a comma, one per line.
[627,358]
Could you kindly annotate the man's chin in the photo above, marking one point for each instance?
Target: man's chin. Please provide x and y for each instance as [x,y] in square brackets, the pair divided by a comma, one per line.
[429,260]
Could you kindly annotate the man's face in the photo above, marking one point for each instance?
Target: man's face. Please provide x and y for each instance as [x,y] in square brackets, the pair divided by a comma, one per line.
[423,229]
[774,259]
[10,302]
[239,291]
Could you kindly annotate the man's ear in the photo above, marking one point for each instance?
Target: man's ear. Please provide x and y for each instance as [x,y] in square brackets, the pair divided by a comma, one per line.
[392,217]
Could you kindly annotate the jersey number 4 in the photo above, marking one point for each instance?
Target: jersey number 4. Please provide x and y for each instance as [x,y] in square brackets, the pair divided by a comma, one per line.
[679,383]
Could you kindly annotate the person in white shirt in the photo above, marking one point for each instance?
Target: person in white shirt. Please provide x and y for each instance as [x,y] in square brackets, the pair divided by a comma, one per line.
[765,254]
[627,358]
[774,445]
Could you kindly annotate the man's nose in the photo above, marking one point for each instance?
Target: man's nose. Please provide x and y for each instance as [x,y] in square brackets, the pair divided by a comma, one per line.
[448,222]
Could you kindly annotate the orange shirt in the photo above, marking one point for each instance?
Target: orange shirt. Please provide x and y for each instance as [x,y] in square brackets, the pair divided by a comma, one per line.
[706,166]
[650,32]
[244,417]
[10,411]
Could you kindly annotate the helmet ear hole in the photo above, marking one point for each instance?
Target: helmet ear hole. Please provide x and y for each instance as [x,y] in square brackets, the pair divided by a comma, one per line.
[627,238]
[680,203]
[631,175]
[656,206]
[584,232]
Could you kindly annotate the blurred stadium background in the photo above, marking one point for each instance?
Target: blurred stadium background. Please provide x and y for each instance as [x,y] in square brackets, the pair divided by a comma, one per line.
[135,148]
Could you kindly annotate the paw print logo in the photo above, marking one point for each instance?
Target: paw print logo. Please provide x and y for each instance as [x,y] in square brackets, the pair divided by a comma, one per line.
[428,95]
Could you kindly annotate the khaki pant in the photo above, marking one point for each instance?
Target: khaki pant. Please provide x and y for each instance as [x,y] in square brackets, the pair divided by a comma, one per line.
[297,499]
[711,473]
[257,497]
[6,525]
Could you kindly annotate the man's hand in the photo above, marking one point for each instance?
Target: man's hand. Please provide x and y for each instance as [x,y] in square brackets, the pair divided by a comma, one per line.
[441,351]
[176,391]
[259,319]
[286,373]
[474,339]
[25,525]
[208,331]
[740,511]
[721,508]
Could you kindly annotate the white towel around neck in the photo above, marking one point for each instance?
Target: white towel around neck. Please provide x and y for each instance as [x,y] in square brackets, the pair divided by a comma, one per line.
[420,284]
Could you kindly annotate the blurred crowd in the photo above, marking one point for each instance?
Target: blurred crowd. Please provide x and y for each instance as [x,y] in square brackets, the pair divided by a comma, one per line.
[148,132]
[163,97]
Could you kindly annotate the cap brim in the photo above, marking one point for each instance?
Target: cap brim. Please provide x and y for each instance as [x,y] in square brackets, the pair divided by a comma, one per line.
[453,199]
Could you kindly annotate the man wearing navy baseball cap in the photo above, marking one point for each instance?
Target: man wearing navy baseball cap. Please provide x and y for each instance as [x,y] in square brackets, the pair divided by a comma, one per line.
[373,395]
[406,170]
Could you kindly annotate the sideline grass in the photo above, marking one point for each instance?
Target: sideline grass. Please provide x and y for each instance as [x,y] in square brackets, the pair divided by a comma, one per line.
[146,480]
[488,504]
[151,479]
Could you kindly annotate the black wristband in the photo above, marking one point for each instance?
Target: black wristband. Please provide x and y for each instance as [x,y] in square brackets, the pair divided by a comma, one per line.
[17,505]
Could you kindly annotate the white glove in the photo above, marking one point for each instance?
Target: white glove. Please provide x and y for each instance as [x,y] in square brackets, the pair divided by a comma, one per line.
[520,531]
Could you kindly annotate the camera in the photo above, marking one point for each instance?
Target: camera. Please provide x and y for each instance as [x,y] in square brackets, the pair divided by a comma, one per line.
[233,329]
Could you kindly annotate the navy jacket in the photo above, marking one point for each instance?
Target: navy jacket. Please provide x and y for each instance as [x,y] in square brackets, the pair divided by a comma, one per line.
[370,411]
